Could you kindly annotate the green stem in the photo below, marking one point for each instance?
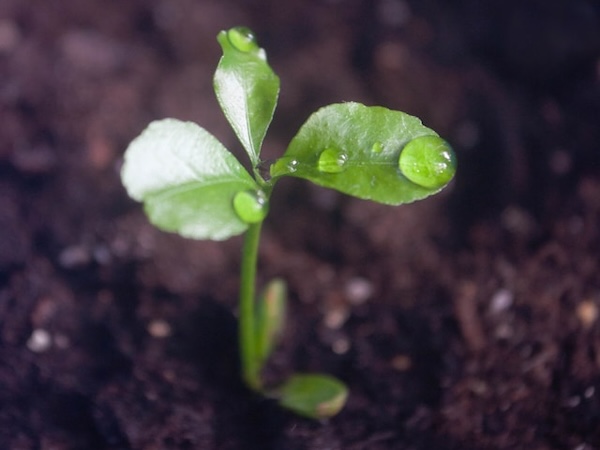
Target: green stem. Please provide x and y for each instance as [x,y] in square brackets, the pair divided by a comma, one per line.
[247,333]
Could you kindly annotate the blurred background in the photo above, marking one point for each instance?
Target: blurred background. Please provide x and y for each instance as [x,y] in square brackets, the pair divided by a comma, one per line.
[465,321]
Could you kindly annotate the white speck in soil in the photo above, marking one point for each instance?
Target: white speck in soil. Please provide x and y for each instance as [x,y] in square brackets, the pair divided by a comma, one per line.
[74,256]
[39,341]
[573,402]
[159,329]
[358,290]
[336,317]
[587,313]
[501,301]
[341,346]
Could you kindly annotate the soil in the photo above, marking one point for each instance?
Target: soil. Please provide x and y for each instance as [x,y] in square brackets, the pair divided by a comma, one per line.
[467,321]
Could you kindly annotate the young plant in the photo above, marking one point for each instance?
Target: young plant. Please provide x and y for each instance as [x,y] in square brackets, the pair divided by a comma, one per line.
[190,184]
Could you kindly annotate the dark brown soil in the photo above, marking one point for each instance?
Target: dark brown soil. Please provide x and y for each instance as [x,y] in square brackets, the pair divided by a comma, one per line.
[468,321]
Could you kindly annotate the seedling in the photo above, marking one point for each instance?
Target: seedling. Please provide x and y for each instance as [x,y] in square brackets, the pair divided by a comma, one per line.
[192,185]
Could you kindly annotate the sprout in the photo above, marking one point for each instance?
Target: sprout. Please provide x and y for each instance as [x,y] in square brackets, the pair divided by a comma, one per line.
[192,185]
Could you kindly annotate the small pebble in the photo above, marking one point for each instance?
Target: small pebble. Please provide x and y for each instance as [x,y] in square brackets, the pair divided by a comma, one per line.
[573,402]
[501,301]
[394,13]
[38,160]
[560,162]
[9,36]
[74,256]
[587,313]
[358,290]
[336,317]
[341,346]
[39,341]
[91,51]
[401,363]
[518,221]
[102,255]
[61,341]
[479,387]
[159,329]
[504,331]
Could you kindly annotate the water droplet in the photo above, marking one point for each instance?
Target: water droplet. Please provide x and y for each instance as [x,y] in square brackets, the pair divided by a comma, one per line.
[292,165]
[242,39]
[332,160]
[377,148]
[251,206]
[428,161]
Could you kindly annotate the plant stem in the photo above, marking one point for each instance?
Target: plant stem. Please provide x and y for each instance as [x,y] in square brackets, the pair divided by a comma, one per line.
[247,322]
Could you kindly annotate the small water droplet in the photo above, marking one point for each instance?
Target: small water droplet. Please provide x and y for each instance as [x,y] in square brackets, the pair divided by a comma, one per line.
[242,39]
[428,161]
[292,165]
[377,148]
[251,206]
[332,160]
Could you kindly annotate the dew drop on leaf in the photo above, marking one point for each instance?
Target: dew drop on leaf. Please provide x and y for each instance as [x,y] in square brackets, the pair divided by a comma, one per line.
[292,165]
[377,148]
[242,39]
[251,206]
[428,161]
[332,160]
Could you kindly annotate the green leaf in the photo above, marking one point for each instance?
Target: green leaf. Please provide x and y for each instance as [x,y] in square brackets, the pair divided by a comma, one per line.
[187,180]
[246,87]
[314,396]
[369,152]
[270,318]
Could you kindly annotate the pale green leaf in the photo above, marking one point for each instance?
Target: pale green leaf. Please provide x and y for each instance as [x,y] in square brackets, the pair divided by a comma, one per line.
[313,395]
[186,179]
[270,318]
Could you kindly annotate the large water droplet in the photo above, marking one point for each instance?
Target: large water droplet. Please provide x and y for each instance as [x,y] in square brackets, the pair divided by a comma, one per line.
[251,206]
[332,160]
[428,161]
[242,39]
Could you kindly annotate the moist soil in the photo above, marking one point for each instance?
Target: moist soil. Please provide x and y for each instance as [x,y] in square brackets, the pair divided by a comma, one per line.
[466,321]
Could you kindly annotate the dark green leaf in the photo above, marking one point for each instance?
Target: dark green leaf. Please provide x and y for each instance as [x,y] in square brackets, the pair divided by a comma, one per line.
[246,87]
[359,150]
[186,179]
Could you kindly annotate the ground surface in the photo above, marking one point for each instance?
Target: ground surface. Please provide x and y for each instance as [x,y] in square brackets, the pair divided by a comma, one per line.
[467,321]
